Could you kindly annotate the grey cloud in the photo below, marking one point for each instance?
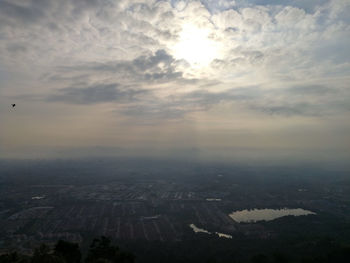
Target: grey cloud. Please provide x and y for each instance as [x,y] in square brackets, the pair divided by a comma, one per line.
[148,108]
[207,98]
[308,6]
[304,109]
[144,62]
[285,102]
[238,57]
[253,56]
[46,13]
[252,98]
[299,109]
[137,23]
[159,66]
[65,77]
[32,10]
[95,94]
[310,90]
[169,75]
[176,107]
[218,5]
[154,113]
[29,13]
[16,48]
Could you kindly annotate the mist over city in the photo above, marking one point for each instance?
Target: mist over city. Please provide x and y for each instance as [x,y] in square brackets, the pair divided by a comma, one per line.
[174,131]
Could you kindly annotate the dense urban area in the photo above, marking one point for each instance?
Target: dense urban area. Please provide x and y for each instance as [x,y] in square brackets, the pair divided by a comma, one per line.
[155,208]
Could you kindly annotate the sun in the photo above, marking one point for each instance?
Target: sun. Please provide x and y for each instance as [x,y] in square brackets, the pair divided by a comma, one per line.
[195,46]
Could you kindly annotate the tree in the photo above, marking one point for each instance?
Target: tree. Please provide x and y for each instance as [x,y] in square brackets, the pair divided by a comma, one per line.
[43,255]
[341,255]
[101,251]
[280,258]
[14,258]
[70,252]
[260,258]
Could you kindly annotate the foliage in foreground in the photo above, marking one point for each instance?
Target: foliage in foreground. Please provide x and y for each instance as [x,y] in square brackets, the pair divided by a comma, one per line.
[101,251]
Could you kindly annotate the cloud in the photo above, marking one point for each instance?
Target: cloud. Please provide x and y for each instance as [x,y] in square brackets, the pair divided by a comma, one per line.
[310,90]
[305,100]
[98,93]
[271,60]
[130,42]
[177,106]
[17,48]
[205,97]
[298,109]
[304,109]
[156,112]
[28,13]
[159,66]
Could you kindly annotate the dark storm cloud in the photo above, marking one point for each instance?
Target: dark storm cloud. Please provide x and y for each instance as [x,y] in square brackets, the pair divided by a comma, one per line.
[95,94]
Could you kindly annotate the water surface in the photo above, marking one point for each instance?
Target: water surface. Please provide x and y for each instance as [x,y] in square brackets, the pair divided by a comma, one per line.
[223,235]
[198,230]
[201,230]
[267,214]
[213,199]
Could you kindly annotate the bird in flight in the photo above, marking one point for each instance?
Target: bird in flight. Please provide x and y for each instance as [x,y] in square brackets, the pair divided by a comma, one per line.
[13,105]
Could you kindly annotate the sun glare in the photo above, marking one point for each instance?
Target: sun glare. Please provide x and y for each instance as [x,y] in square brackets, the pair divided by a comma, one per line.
[195,46]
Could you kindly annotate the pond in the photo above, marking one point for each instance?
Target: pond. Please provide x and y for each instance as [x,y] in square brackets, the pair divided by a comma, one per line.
[248,216]
[201,230]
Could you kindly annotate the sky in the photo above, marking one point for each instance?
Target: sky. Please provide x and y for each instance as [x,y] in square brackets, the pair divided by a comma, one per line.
[258,80]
